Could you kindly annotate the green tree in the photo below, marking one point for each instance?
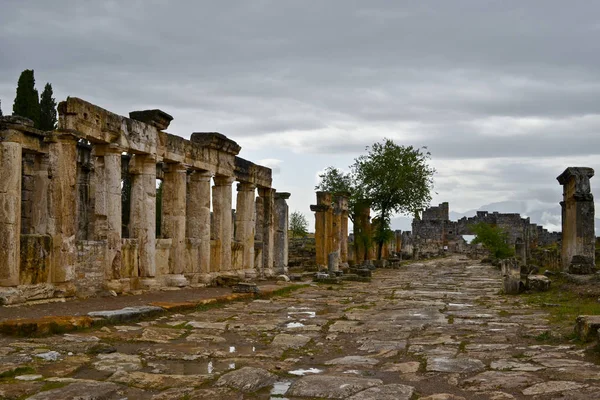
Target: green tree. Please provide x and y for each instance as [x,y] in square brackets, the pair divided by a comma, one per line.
[493,238]
[27,103]
[298,224]
[395,179]
[47,110]
[1,108]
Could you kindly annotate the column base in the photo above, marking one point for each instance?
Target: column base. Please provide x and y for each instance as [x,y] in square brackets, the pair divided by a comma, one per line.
[148,284]
[175,280]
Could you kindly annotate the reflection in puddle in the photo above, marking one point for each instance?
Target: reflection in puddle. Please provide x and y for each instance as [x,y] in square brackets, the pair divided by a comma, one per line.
[352,371]
[232,349]
[302,311]
[280,388]
[294,325]
[231,365]
[190,368]
[210,367]
[302,372]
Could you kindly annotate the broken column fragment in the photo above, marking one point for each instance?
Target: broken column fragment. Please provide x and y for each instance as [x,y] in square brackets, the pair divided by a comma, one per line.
[578,236]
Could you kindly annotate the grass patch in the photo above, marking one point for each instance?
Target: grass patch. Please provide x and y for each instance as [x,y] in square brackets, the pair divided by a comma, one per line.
[17,371]
[53,385]
[450,319]
[565,301]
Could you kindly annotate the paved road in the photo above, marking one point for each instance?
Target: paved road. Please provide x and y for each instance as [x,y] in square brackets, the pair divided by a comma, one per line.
[433,330]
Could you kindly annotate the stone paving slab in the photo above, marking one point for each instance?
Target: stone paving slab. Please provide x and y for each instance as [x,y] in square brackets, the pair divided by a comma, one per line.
[434,330]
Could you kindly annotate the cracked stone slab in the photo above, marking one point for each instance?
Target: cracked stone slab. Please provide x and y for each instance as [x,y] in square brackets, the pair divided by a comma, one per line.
[87,390]
[247,379]
[509,365]
[287,341]
[331,387]
[494,380]
[353,360]
[552,387]
[127,313]
[386,392]
[461,365]
[118,361]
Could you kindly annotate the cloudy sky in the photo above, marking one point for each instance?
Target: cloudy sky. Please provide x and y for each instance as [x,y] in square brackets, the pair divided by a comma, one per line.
[505,94]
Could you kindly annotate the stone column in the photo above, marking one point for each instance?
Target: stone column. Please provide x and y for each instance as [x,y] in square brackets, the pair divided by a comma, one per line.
[268,236]
[10,212]
[174,214]
[244,223]
[259,226]
[142,220]
[344,229]
[578,236]
[281,232]
[222,223]
[322,212]
[108,205]
[336,228]
[62,166]
[198,217]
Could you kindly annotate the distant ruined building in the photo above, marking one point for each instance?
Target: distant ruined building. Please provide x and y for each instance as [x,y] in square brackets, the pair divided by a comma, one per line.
[78,206]
[434,233]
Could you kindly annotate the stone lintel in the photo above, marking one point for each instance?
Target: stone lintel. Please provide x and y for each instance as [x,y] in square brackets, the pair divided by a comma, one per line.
[282,195]
[157,118]
[216,140]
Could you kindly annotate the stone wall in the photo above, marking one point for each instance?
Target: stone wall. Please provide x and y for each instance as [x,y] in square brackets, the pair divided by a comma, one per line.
[435,234]
[79,204]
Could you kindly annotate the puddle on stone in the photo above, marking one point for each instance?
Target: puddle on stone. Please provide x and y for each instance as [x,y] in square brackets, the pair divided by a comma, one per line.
[241,350]
[304,311]
[459,305]
[302,372]
[294,325]
[352,371]
[280,388]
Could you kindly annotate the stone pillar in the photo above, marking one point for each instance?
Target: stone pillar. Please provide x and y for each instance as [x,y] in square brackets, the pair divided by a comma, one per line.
[268,236]
[142,220]
[343,204]
[281,232]
[244,223]
[521,251]
[222,223]
[10,212]
[323,224]
[174,214]
[259,227]
[108,205]
[198,218]
[62,166]
[336,227]
[578,236]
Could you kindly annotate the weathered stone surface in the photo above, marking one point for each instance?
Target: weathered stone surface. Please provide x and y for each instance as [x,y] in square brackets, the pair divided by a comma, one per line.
[353,361]
[538,283]
[287,341]
[87,390]
[127,313]
[552,387]
[157,118]
[461,365]
[331,387]
[510,365]
[494,380]
[386,392]
[442,396]
[146,380]
[586,327]
[247,379]
[118,362]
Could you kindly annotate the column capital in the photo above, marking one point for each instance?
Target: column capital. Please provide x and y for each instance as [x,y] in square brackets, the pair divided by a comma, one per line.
[282,195]
[200,176]
[266,192]
[223,180]
[107,148]
[246,187]
[174,167]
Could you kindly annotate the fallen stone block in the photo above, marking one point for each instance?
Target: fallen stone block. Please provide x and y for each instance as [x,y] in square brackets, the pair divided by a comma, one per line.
[331,387]
[586,327]
[44,325]
[538,283]
[127,313]
[247,379]
[245,287]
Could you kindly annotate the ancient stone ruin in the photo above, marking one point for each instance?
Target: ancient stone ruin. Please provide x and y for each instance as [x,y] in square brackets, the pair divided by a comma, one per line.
[434,233]
[78,206]
[331,228]
[578,235]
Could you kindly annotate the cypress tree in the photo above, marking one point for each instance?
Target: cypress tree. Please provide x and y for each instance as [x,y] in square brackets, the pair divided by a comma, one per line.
[47,109]
[1,108]
[27,102]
